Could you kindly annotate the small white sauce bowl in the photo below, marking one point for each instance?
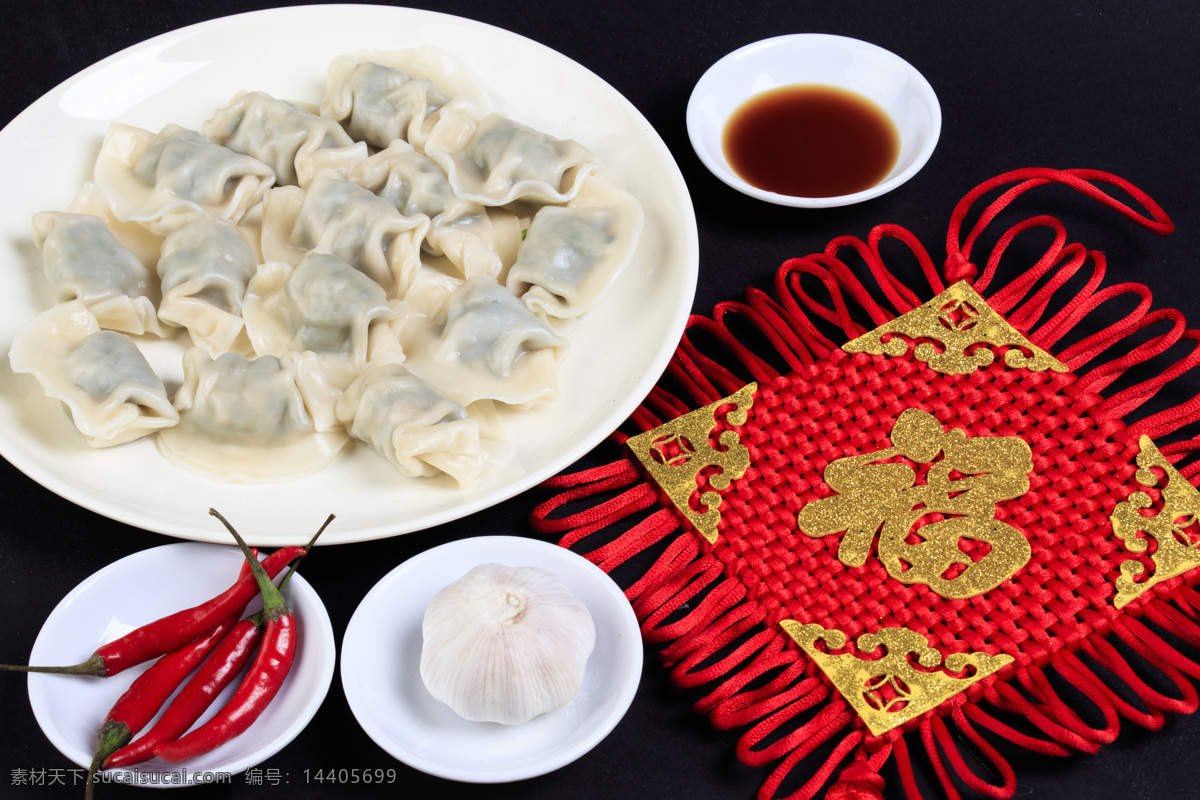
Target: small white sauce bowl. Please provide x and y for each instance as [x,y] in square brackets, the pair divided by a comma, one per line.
[815,58]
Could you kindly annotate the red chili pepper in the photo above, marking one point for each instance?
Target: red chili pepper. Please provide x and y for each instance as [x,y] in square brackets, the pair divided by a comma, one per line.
[196,696]
[172,631]
[262,682]
[145,696]
[217,672]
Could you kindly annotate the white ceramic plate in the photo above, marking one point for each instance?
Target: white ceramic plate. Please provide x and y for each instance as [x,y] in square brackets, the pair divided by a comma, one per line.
[381,659]
[816,58]
[143,587]
[618,351]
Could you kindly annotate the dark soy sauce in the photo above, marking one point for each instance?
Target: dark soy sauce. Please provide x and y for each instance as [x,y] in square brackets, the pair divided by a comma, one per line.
[811,141]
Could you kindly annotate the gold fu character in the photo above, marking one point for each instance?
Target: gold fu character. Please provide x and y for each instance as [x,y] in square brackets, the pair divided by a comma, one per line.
[962,487]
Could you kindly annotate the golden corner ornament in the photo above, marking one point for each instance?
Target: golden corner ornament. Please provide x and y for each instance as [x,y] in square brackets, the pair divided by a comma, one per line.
[889,691]
[1174,553]
[966,326]
[676,452]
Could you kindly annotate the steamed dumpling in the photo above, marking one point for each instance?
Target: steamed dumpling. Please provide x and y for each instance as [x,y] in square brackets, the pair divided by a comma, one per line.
[245,420]
[205,266]
[339,217]
[160,179]
[395,268]
[91,199]
[573,252]
[462,230]
[113,394]
[323,305]
[414,426]
[380,104]
[485,344]
[295,143]
[82,260]
[396,96]
[496,161]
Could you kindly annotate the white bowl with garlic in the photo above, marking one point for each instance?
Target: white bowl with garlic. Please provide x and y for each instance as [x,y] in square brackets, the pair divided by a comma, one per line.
[531,653]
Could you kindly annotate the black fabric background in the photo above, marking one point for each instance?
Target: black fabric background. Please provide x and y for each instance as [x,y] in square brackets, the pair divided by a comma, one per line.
[1106,85]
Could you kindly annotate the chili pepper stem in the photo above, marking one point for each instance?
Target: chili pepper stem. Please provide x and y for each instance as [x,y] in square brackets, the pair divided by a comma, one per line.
[113,736]
[94,667]
[274,606]
[307,549]
[261,616]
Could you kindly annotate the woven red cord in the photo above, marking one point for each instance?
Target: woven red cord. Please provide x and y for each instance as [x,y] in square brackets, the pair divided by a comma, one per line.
[713,610]
[1004,301]
[1172,419]
[861,780]
[1006,698]
[581,485]
[935,758]
[1152,718]
[749,707]
[1186,599]
[790,751]
[958,250]
[904,765]
[796,353]
[1067,666]
[1104,653]
[829,273]
[1033,744]
[999,765]
[719,381]
[686,674]
[814,784]
[664,403]
[900,296]
[1085,350]
[1076,307]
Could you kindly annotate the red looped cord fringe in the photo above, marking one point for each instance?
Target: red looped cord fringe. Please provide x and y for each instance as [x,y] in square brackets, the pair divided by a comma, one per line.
[713,610]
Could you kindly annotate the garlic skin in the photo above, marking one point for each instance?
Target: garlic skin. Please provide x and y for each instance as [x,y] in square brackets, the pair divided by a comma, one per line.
[505,644]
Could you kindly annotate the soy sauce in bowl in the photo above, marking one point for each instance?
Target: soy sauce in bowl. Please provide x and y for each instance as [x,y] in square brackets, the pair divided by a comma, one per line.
[806,85]
[811,140]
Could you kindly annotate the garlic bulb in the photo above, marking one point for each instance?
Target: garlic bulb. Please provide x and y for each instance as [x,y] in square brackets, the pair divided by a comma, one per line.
[504,644]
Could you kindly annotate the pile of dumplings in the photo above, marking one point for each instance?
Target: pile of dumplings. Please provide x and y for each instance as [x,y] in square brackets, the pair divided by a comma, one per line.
[391,267]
